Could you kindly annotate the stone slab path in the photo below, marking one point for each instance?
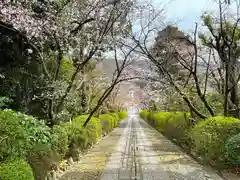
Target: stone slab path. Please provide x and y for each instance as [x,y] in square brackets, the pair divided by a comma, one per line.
[136,151]
[92,165]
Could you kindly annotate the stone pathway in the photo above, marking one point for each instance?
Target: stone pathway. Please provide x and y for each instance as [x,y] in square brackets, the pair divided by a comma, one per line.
[136,151]
[173,161]
[91,166]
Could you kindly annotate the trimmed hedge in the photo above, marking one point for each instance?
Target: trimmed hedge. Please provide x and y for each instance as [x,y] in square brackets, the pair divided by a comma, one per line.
[93,128]
[107,122]
[216,139]
[111,120]
[144,114]
[16,170]
[122,115]
[42,159]
[116,119]
[175,125]
[209,137]
[77,138]
[25,137]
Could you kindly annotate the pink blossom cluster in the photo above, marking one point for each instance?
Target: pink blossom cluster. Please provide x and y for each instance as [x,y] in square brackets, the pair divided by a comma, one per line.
[25,20]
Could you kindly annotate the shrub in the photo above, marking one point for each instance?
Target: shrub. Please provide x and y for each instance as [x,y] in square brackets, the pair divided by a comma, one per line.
[178,124]
[122,115]
[144,114]
[77,138]
[151,118]
[20,133]
[107,122]
[161,120]
[42,159]
[93,128]
[116,119]
[16,170]
[60,143]
[175,125]
[209,137]
[232,148]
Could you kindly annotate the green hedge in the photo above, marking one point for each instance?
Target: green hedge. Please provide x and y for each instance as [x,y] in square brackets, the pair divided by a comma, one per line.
[77,138]
[60,143]
[122,115]
[107,122]
[232,149]
[93,128]
[111,120]
[209,137]
[144,114]
[25,137]
[16,170]
[20,133]
[216,139]
[175,125]
[161,120]
[116,117]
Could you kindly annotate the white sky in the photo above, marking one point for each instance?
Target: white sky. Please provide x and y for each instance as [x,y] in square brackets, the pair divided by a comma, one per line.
[185,12]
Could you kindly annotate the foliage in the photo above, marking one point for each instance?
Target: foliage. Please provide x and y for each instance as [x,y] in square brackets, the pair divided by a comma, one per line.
[116,119]
[93,129]
[4,101]
[174,125]
[232,148]
[17,169]
[111,120]
[107,122]
[43,67]
[144,114]
[67,69]
[20,133]
[42,159]
[60,143]
[209,137]
[215,100]
[178,126]
[122,114]
[160,120]
[77,138]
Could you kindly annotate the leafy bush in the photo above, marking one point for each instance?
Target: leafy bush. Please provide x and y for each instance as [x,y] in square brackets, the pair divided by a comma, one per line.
[16,170]
[107,122]
[5,101]
[77,138]
[144,114]
[116,119]
[20,133]
[232,148]
[93,128]
[175,125]
[161,120]
[178,125]
[111,120]
[209,137]
[151,118]
[60,143]
[123,114]
[42,159]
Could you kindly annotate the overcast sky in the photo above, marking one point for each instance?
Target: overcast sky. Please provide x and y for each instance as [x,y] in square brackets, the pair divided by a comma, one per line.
[185,12]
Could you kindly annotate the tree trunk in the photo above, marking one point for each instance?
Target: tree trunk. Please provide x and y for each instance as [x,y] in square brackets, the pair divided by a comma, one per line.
[234,92]
[226,89]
